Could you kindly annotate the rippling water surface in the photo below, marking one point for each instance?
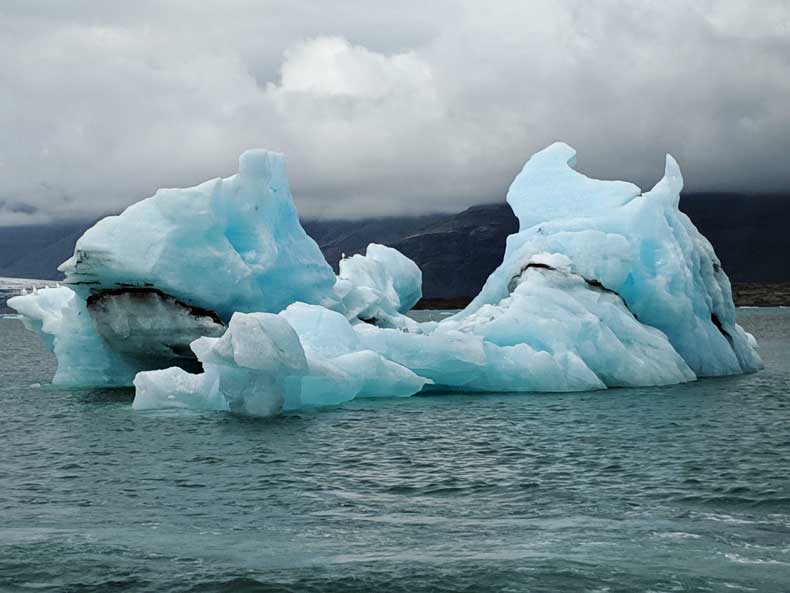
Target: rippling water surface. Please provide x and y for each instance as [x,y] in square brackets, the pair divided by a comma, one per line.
[667,489]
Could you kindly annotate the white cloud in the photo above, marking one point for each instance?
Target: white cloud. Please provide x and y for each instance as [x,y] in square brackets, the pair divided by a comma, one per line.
[332,67]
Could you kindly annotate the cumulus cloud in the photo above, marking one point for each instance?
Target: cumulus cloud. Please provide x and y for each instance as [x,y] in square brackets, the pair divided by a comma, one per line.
[383,109]
[332,67]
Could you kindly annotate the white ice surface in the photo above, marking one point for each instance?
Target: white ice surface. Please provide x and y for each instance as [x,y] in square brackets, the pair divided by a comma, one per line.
[255,368]
[261,367]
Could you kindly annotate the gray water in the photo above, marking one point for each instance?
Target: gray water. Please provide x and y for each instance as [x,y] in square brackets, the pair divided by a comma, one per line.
[666,489]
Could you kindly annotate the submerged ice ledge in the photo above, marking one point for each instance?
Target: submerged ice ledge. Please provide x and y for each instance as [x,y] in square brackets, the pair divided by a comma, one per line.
[214,297]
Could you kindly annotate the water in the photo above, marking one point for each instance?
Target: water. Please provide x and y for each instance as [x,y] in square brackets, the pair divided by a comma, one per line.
[666,489]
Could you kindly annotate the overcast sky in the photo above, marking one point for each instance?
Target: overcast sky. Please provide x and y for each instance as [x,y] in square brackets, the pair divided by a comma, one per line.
[383,107]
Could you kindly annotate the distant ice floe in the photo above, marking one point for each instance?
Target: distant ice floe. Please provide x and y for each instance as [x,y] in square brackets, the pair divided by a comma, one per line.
[214,297]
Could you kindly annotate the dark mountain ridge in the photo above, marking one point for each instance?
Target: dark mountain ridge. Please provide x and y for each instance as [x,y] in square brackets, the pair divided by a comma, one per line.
[457,252]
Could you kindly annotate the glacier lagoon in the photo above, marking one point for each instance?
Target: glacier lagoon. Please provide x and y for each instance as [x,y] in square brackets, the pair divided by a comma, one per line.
[631,475]
[673,488]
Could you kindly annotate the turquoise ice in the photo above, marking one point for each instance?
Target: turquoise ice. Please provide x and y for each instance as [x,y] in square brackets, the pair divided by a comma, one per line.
[264,363]
[637,246]
[215,298]
[227,245]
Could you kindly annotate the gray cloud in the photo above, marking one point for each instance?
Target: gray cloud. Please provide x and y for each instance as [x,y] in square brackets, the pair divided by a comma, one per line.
[386,107]
[14,207]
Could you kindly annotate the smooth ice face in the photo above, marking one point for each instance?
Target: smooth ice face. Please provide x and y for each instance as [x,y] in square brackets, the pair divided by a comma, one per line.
[332,344]
[227,245]
[640,247]
[462,361]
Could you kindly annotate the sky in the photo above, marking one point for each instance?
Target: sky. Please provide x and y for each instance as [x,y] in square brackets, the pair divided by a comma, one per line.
[383,108]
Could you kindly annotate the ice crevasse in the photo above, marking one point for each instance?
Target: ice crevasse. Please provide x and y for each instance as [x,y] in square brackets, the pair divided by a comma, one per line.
[214,297]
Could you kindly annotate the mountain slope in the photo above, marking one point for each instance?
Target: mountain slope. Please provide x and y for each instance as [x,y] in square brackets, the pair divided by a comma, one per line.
[457,252]
[36,251]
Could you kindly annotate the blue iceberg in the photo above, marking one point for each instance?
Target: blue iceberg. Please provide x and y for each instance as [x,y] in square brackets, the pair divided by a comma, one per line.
[214,297]
[637,246]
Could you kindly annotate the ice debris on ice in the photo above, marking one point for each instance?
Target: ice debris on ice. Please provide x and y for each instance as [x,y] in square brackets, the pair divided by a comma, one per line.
[602,286]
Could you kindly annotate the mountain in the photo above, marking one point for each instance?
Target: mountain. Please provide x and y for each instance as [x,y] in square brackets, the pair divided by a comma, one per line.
[36,251]
[750,233]
[457,252]
[336,237]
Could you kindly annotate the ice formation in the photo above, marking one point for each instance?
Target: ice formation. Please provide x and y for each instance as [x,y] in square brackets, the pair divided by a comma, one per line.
[264,363]
[254,368]
[143,285]
[637,246]
[554,332]
[62,319]
[602,286]
[379,286]
[227,245]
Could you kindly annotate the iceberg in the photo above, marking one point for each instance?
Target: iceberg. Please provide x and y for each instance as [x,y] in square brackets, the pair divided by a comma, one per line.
[228,245]
[638,246]
[265,363]
[215,298]
[143,285]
